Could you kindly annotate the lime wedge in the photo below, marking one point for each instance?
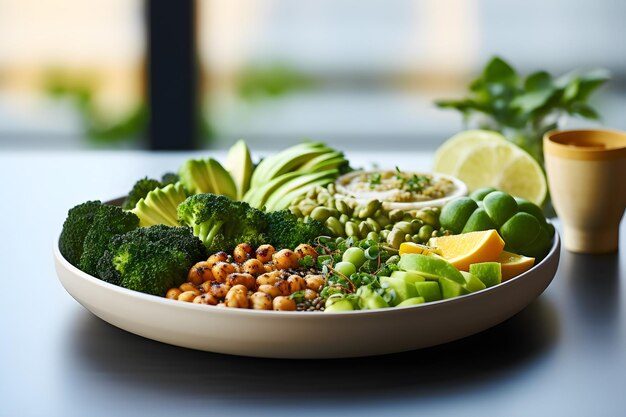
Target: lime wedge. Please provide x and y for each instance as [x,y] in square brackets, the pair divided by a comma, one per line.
[455,148]
[484,158]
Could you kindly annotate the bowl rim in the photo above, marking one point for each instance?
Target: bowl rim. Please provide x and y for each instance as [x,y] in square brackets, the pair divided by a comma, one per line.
[294,314]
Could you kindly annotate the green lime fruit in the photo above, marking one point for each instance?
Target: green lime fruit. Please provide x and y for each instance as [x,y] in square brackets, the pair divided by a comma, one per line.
[479,221]
[480,193]
[455,214]
[430,267]
[539,247]
[500,207]
[520,231]
[530,208]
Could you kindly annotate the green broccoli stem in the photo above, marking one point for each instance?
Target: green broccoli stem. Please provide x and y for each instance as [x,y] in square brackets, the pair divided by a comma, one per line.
[206,232]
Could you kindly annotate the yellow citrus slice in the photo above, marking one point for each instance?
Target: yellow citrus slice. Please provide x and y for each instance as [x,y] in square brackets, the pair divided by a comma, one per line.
[469,248]
[410,247]
[514,264]
[492,161]
[455,148]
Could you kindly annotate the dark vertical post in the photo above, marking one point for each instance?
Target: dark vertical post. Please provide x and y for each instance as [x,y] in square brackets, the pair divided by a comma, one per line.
[172,75]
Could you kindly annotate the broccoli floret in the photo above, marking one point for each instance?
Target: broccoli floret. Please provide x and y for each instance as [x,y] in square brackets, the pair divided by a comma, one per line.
[284,230]
[75,228]
[109,221]
[169,178]
[159,206]
[139,191]
[151,259]
[221,223]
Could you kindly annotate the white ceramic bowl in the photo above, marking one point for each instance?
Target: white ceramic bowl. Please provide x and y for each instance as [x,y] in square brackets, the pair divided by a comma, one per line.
[459,191]
[275,334]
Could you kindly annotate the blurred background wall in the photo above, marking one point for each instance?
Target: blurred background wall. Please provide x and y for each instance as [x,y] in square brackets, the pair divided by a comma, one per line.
[354,73]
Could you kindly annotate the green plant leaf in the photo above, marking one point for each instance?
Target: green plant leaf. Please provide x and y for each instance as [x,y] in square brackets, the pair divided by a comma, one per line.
[571,90]
[584,110]
[540,80]
[531,101]
[499,71]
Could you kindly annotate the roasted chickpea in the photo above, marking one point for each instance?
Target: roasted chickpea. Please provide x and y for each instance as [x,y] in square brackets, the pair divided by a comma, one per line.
[237,297]
[253,267]
[246,280]
[282,303]
[269,267]
[285,259]
[200,272]
[270,290]
[189,287]
[173,293]
[222,270]
[268,278]
[314,282]
[260,301]
[283,286]
[207,299]
[242,252]
[309,294]
[219,290]
[296,283]
[264,253]
[217,257]
[306,250]
[187,296]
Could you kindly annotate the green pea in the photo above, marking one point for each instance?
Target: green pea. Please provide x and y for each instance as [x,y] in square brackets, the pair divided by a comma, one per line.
[396,215]
[351,229]
[369,209]
[416,224]
[342,207]
[416,238]
[382,219]
[372,236]
[330,203]
[373,225]
[355,256]
[307,208]
[321,213]
[364,228]
[395,238]
[331,189]
[403,226]
[346,268]
[312,193]
[407,237]
[322,197]
[384,233]
[428,217]
[425,232]
[335,226]
[344,218]
[295,210]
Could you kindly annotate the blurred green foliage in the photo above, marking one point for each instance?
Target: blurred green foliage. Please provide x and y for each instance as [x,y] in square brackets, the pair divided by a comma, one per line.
[257,82]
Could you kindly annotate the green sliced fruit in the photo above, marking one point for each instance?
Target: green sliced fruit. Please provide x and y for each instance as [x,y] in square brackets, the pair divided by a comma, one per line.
[472,282]
[286,161]
[286,193]
[257,197]
[500,207]
[403,289]
[479,221]
[456,213]
[339,305]
[221,181]
[490,273]
[313,164]
[159,206]
[412,301]
[195,177]
[430,267]
[239,165]
[451,289]
[456,148]
[408,276]
[429,290]
[368,299]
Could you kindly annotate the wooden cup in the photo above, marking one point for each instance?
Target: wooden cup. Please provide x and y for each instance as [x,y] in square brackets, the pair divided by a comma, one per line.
[587,178]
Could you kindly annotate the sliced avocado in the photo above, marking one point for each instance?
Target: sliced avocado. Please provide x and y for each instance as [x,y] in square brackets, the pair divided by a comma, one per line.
[257,197]
[430,267]
[451,289]
[221,180]
[490,273]
[403,289]
[159,206]
[410,277]
[286,193]
[472,283]
[239,165]
[412,301]
[313,164]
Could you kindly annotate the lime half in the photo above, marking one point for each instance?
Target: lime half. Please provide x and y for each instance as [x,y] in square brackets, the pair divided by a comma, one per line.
[483,158]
